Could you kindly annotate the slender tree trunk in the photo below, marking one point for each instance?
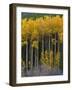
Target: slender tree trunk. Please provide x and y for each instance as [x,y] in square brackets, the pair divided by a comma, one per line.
[31,58]
[55,50]
[58,53]
[27,56]
[37,57]
[30,55]
[46,46]
[43,44]
[49,50]
[24,54]
[39,51]
[52,51]
[51,54]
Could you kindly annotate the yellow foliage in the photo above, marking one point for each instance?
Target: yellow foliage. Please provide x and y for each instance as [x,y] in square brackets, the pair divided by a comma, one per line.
[33,29]
[43,25]
[44,58]
[34,35]
[24,43]
[51,58]
[35,44]
[57,58]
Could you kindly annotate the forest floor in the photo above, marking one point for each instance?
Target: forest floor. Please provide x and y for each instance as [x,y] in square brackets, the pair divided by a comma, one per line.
[42,70]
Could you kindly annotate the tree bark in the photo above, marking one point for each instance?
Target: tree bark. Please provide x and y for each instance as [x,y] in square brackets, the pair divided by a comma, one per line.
[27,56]
[31,58]
[58,53]
[49,49]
